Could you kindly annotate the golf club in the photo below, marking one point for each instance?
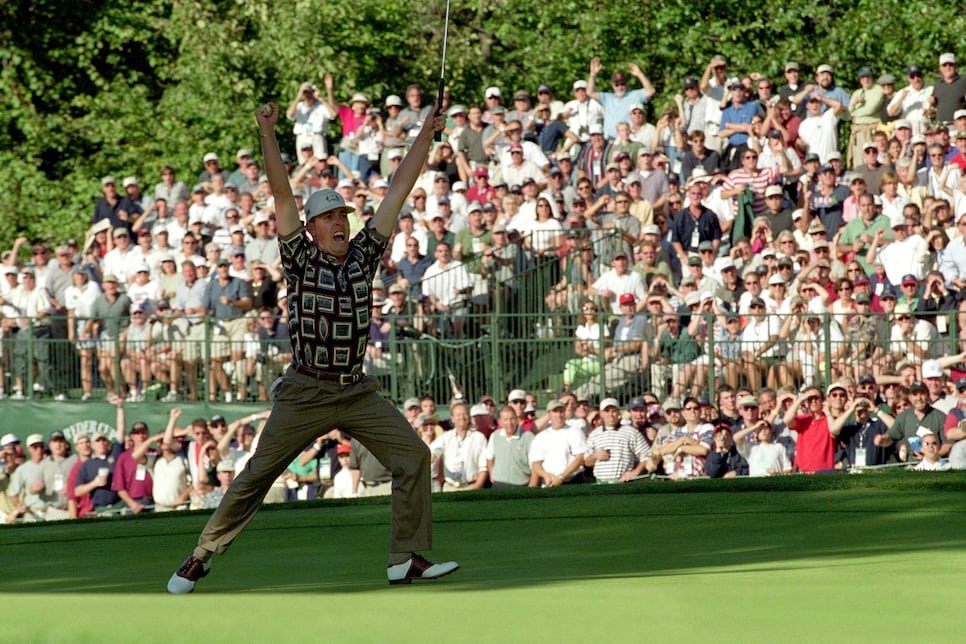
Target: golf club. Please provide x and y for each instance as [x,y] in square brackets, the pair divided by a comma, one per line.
[438,136]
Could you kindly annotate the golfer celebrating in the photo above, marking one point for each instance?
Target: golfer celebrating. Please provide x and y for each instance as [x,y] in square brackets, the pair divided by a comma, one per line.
[329,280]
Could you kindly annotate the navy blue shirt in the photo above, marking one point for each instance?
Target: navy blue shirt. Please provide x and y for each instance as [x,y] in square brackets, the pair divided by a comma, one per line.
[102,496]
[684,224]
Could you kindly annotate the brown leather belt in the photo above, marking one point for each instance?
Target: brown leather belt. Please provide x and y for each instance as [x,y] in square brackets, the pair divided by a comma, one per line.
[341,378]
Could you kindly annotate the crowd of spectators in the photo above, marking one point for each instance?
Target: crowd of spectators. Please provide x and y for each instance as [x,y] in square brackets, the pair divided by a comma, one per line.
[848,425]
[760,233]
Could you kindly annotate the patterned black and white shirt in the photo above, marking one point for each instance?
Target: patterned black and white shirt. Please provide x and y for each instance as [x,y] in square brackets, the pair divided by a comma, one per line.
[328,301]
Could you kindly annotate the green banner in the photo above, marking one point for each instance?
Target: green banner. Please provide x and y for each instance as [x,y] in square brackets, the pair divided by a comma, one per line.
[74,418]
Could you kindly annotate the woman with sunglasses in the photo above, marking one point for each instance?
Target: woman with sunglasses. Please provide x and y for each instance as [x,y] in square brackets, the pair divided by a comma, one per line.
[686,447]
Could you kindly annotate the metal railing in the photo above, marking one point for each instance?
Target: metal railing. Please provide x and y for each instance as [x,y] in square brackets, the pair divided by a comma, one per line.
[535,351]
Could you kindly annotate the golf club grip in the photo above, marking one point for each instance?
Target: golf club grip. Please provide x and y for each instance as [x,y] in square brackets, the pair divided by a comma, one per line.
[438,136]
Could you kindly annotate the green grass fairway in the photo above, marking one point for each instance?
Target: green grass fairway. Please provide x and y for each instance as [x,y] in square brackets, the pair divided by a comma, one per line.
[872,558]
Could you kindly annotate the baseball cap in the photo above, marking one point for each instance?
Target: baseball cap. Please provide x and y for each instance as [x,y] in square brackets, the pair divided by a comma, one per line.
[628,298]
[226,465]
[909,280]
[947,57]
[516,394]
[824,68]
[832,387]
[580,84]
[479,410]
[918,386]
[748,401]
[33,439]
[960,385]
[410,403]
[344,448]
[932,369]
[637,402]
[492,92]
[773,190]
[609,402]
[324,201]
[8,439]
[553,405]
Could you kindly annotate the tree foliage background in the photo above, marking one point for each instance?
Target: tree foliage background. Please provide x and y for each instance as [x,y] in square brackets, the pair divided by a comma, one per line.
[95,87]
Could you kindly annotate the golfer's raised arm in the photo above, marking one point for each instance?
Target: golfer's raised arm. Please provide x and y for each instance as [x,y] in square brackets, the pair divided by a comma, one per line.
[404,178]
[286,214]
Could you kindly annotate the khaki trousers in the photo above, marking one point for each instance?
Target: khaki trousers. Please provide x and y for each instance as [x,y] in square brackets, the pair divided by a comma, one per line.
[306,408]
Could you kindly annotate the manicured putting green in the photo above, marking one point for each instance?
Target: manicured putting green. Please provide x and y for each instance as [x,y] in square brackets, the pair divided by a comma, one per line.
[860,558]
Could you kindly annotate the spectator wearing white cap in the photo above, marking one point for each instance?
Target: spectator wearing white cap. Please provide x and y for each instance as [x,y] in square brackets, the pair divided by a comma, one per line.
[120,260]
[264,247]
[949,90]
[580,114]
[617,452]
[143,290]
[212,168]
[557,453]
[27,491]
[11,457]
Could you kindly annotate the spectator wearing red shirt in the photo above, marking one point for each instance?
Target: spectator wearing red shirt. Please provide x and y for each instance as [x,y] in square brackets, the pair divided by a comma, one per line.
[78,506]
[815,449]
[132,481]
[481,191]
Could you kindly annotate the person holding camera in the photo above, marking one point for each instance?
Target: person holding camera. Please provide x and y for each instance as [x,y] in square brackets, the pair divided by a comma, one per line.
[311,117]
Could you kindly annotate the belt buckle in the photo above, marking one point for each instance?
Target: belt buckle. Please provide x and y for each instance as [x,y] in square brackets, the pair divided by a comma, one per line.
[346,379]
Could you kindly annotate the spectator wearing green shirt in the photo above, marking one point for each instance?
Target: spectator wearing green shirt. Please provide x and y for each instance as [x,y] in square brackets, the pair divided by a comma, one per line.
[675,355]
[858,234]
